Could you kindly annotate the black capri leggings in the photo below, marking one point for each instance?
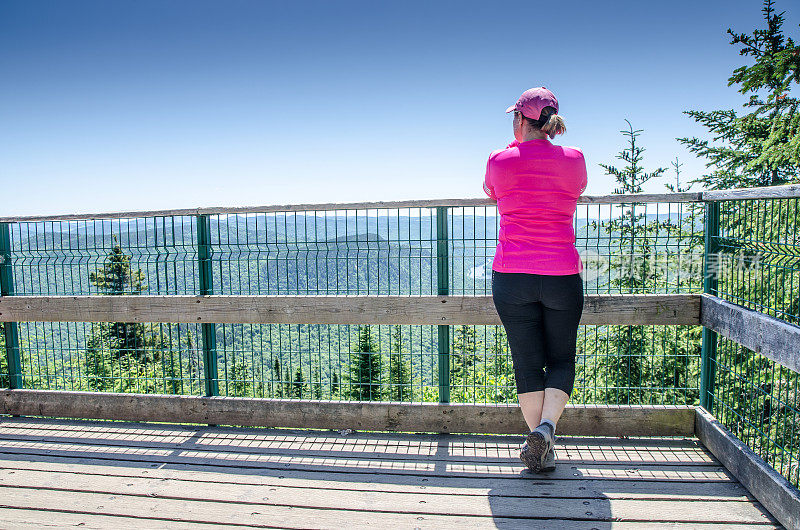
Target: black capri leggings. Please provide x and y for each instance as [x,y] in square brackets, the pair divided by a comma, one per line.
[540,315]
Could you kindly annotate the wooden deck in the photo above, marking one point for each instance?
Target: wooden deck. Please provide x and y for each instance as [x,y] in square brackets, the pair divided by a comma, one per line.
[103,474]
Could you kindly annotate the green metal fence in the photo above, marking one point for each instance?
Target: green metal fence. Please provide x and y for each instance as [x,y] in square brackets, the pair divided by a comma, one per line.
[757,265]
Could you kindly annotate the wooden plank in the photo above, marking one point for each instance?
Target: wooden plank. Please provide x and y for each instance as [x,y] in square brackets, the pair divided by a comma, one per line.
[435,485]
[443,451]
[309,208]
[182,431]
[313,445]
[641,198]
[764,483]
[786,191]
[161,513]
[383,502]
[339,466]
[632,309]
[321,207]
[36,518]
[769,336]
[586,420]
[17,518]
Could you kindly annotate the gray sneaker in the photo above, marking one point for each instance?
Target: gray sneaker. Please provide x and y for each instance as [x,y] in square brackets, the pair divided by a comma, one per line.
[549,461]
[535,451]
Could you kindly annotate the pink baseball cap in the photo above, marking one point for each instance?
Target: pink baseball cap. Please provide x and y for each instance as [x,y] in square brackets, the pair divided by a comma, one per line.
[533,100]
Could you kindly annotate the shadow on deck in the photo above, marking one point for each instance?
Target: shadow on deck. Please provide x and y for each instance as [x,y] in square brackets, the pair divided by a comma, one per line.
[94,473]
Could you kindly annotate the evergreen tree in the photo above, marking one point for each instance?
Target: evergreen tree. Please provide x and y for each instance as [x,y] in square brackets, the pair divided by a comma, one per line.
[194,369]
[240,375]
[365,366]
[171,361]
[98,362]
[464,355]
[276,370]
[500,369]
[761,147]
[399,369]
[677,371]
[634,272]
[117,278]
[334,385]
[299,387]
[316,386]
[677,187]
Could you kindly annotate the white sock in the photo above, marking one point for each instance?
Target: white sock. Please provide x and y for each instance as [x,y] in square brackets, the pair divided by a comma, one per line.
[551,424]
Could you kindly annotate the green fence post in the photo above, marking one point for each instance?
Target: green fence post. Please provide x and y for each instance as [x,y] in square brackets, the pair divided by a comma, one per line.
[708,353]
[9,328]
[443,288]
[209,330]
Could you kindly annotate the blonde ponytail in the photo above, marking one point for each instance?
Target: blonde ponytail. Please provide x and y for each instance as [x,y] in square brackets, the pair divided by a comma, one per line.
[555,125]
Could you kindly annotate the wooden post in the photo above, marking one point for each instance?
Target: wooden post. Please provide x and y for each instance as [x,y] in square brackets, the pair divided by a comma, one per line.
[9,328]
[209,331]
[443,288]
[711,263]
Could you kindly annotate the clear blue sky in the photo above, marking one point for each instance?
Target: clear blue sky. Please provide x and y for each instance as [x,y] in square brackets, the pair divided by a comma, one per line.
[121,105]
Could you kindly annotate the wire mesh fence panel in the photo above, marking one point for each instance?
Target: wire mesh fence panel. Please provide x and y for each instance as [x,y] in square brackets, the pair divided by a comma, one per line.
[640,247]
[331,362]
[758,400]
[758,264]
[85,356]
[330,252]
[105,256]
[638,365]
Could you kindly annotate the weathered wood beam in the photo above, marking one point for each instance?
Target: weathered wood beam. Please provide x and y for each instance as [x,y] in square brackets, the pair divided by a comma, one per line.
[773,338]
[579,420]
[639,198]
[321,207]
[776,192]
[787,191]
[767,485]
[637,309]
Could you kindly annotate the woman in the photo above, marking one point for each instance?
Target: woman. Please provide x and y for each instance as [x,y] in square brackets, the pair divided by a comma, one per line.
[536,285]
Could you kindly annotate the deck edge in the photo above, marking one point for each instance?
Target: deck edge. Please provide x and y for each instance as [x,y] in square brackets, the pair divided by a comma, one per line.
[771,488]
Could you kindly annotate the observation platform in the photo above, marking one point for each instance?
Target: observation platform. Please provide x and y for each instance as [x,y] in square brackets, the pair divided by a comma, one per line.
[716,309]
[112,474]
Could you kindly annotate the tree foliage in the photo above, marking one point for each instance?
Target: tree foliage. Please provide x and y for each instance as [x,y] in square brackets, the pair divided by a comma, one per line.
[299,386]
[760,147]
[399,369]
[639,364]
[365,366]
[116,277]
